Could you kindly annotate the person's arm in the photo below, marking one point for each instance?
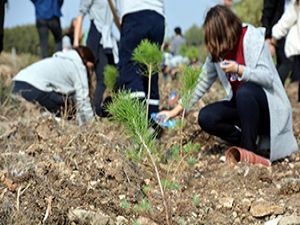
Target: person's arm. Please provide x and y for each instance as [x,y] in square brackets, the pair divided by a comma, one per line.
[288,19]
[84,111]
[206,79]
[115,15]
[261,74]
[84,8]
[77,30]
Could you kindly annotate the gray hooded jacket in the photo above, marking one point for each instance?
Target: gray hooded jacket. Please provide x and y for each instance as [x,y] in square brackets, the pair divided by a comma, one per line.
[259,69]
[64,73]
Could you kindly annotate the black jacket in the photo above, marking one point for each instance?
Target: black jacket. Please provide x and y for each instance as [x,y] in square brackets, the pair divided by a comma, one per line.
[272,12]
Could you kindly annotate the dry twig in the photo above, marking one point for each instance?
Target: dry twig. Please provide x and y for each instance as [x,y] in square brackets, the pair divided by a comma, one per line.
[48,211]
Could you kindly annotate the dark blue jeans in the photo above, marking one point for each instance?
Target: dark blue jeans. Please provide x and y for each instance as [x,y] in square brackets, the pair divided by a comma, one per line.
[240,120]
[137,26]
[54,102]
[2,13]
[43,27]
[103,57]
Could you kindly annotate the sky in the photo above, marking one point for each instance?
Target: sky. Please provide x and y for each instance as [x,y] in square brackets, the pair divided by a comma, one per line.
[183,13]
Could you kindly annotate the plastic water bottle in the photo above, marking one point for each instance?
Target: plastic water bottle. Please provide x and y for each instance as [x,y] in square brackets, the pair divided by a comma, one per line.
[160,121]
[173,98]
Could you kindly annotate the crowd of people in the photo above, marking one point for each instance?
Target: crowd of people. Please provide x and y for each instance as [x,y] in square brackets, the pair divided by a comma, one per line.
[256,114]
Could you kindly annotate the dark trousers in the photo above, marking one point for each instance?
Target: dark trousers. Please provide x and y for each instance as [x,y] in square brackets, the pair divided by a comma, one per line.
[240,120]
[137,26]
[2,13]
[283,64]
[52,101]
[43,27]
[103,57]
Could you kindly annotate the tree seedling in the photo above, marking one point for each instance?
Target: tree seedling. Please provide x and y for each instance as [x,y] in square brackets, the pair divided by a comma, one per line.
[150,57]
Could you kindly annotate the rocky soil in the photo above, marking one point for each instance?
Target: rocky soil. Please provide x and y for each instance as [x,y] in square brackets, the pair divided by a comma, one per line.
[53,172]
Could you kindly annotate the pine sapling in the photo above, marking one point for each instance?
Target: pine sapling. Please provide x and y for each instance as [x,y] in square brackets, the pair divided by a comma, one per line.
[149,56]
[110,77]
[188,82]
[131,113]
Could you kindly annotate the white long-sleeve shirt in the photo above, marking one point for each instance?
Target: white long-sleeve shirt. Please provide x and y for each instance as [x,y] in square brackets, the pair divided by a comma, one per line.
[130,6]
[289,24]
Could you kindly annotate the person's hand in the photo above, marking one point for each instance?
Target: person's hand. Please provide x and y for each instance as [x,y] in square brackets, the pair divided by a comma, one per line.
[271,46]
[164,116]
[229,66]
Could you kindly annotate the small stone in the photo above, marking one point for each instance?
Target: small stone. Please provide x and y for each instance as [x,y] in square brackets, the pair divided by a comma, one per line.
[234,214]
[226,202]
[262,208]
[290,220]
[121,220]
[121,197]
[145,221]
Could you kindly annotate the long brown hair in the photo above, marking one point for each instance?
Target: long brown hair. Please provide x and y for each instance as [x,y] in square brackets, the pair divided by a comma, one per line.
[222,30]
[87,55]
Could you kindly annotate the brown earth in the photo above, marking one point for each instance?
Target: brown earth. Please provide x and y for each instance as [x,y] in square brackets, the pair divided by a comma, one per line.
[53,172]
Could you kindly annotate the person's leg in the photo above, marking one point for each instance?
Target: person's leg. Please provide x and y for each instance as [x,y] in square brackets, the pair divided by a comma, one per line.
[253,111]
[221,119]
[52,101]
[130,74]
[93,42]
[55,27]
[43,35]
[283,64]
[2,12]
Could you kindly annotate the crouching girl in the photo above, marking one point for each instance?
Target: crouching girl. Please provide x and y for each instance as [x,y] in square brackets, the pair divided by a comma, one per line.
[58,81]
[256,114]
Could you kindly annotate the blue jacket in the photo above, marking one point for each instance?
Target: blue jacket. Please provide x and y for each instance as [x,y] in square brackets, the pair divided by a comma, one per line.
[47,9]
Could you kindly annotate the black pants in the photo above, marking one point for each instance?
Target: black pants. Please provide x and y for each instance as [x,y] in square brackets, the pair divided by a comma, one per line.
[43,27]
[137,26]
[54,102]
[103,57]
[2,14]
[240,120]
[284,65]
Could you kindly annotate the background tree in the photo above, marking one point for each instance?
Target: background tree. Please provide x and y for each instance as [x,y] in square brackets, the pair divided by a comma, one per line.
[25,39]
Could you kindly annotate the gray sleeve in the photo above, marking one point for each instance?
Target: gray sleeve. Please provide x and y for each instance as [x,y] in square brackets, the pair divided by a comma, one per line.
[85,6]
[206,79]
[84,110]
[262,74]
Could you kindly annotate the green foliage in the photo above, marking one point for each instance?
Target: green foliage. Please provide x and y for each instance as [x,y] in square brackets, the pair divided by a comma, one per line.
[191,52]
[171,185]
[191,148]
[4,92]
[146,188]
[188,82]
[143,206]
[110,76]
[249,11]
[131,113]
[175,149]
[192,161]
[25,39]
[124,204]
[181,221]
[196,200]
[194,36]
[148,54]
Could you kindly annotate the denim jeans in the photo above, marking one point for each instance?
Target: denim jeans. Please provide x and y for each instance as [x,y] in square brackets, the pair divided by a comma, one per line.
[54,102]
[43,27]
[240,120]
[103,57]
